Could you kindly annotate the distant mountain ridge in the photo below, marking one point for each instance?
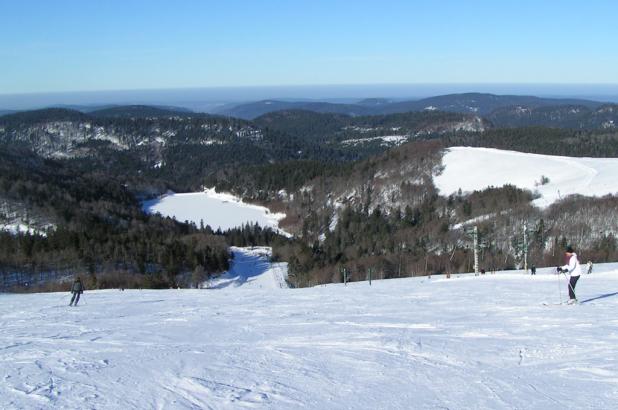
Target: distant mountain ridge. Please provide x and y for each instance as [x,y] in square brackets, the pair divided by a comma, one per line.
[127,111]
[253,110]
[7,112]
[141,111]
[474,103]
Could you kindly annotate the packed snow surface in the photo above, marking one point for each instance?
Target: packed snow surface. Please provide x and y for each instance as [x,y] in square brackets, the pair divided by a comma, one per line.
[252,268]
[478,168]
[485,342]
[218,210]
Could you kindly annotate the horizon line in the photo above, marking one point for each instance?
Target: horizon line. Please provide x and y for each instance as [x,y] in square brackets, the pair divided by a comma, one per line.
[238,87]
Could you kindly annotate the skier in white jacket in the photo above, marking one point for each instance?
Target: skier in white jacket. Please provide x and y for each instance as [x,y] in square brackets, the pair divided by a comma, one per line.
[573,268]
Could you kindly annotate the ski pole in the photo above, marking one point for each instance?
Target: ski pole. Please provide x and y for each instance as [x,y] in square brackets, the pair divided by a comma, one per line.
[559,289]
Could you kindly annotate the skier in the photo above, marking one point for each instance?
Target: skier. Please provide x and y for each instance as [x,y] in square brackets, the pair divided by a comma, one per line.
[533,270]
[77,289]
[573,268]
[589,270]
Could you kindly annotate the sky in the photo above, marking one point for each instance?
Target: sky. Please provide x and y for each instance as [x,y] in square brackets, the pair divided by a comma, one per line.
[65,45]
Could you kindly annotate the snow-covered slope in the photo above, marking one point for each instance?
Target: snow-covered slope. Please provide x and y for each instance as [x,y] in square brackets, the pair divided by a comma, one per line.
[482,342]
[218,210]
[252,268]
[478,168]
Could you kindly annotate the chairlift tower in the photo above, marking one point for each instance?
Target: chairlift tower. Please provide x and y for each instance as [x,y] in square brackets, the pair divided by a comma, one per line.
[525,245]
[475,240]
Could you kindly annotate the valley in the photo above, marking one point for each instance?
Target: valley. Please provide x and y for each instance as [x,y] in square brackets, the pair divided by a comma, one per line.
[393,192]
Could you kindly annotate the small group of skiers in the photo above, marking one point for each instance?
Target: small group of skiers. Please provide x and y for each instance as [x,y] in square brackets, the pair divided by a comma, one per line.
[572,268]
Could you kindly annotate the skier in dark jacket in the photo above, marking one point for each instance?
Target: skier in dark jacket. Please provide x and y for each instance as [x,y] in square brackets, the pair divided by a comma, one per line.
[77,289]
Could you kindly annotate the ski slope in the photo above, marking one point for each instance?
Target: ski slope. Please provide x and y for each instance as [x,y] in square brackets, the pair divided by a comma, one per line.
[252,268]
[478,168]
[484,342]
[219,210]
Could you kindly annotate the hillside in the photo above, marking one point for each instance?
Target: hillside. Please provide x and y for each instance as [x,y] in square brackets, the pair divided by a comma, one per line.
[250,111]
[541,140]
[150,154]
[90,223]
[6,112]
[185,152]
[388,213]
[141,111]
[325,128]
[466,103]
[480,103]
[464,342]
[467,169]
[604,117]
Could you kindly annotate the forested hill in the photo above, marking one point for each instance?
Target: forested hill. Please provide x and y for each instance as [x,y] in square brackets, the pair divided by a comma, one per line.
[601,143]
[93,224]
[332,128]
[6,112]
[181,151]
[140,111]
[253,110]
[21,118]
[385,214]
[557,116]
[471,103]
[178,150]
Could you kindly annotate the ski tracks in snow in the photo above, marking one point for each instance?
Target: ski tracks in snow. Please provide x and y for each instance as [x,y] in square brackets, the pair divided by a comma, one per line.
[470,342]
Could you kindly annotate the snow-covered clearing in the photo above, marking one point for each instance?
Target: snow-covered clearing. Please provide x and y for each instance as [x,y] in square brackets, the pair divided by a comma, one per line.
[252,268]
[218,210]
[478,168]
[482,342]
[387,140]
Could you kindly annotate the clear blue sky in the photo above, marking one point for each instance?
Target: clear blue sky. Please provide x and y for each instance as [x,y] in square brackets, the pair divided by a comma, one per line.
[66,45]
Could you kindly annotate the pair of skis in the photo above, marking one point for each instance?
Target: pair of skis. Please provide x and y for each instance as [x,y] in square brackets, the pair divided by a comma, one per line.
[575,301]
[560,304]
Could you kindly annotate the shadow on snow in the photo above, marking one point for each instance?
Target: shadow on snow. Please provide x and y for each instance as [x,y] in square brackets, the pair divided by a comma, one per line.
[607,295]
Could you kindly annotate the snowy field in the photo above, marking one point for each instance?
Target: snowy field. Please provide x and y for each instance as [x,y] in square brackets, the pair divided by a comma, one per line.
[478,168]
[468,342]
[218,210]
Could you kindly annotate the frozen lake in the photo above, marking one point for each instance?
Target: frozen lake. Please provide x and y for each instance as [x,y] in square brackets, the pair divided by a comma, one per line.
[218,210]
